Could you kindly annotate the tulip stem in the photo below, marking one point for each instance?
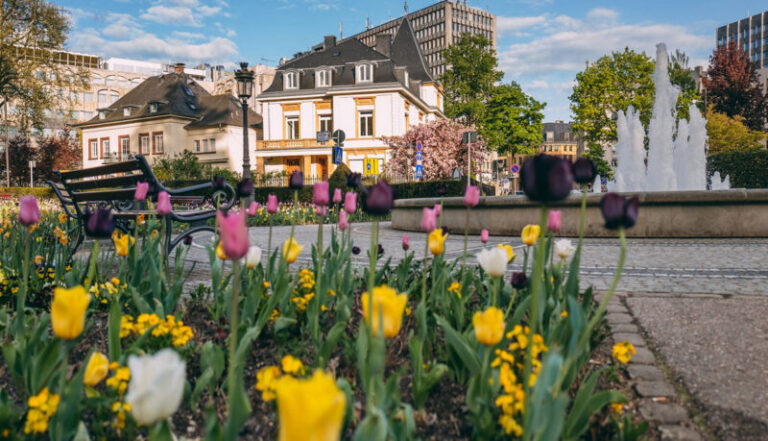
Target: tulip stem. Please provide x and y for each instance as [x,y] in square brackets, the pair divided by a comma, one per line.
[21,298]
[233,327]
[582,217]
[466,235]
[92,266]
[496,287]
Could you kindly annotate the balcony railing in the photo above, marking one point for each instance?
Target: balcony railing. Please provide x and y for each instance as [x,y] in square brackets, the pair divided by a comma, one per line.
[291,144]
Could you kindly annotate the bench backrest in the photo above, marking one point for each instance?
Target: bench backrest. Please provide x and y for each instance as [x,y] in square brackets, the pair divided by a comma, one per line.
[106,183]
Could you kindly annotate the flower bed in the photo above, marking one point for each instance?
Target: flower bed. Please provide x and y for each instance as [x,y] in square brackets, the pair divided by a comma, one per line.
[115,347]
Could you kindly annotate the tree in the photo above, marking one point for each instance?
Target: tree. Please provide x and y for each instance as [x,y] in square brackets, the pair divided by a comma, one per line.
[733,86]
[57,153]
[20,152]
[469,81]
[682,76]
[186,166]
[730,134]
[442,150]
[30,33]
[512,121]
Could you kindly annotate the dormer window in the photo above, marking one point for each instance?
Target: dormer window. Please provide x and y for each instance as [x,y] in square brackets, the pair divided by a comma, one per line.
[323,78]
[291,80]
[127,111]
[102,114]
[365,73]
[407,79]
[152,107]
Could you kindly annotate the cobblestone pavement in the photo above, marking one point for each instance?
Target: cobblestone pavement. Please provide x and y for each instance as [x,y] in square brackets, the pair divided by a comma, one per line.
[721,266]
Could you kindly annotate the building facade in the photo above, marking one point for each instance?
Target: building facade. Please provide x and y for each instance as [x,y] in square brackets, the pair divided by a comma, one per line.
[165,115]
[436,27]
[262,79]
[751,35]
[367,93]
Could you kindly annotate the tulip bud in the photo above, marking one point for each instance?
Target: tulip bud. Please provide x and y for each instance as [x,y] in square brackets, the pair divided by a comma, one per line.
[245,188]
[320,193]
[350,202]
[253,258]
[141,191]
[100,224]
[164,204]
[519,280]
[406,243]
[355,250]
[428,220]
[618,211]
[343,224]
[188,240]
[219,183]
[233,233]
[321,210]
[68,312]
[336,195]
[555,220]
[271,204]
[253,208]
[471,196]
[379,199]
[484,236]
[584,171]
[96,369]
[380,250]
[29,212]
[546,178]
[354,180]
[297,180]
[156,386]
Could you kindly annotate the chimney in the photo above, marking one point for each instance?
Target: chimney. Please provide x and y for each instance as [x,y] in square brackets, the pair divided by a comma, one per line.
[178,68]
[329,41]
[383,44]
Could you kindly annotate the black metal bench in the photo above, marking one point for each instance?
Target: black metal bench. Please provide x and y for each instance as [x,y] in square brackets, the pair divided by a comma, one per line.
[113,186]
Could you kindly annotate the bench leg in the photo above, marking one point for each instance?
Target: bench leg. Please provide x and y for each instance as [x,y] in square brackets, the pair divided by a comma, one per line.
[188,233]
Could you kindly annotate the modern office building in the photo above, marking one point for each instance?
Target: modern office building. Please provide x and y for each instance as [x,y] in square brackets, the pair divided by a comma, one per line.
[436,27]
[751,35]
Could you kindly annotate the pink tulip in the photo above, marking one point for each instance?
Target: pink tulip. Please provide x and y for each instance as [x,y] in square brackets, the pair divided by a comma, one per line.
[472,196]
[253,208]
[336,195]
[141,191]
[271,204]
[320,210]
[428,220]
[350,202]
[484,236]
[406,243]
[437,209]
[164,203]
[320,193]
[29,213]
[343,224]
[555,221]
[233,234]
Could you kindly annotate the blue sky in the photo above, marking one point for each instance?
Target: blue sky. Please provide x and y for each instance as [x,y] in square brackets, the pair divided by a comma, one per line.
[542,43]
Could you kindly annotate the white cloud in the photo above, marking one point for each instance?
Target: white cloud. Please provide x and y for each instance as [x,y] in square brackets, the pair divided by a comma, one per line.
[537,84]
[514,25]
[121,26]
[188,35]
[171,15]
[209,10]
[602,14]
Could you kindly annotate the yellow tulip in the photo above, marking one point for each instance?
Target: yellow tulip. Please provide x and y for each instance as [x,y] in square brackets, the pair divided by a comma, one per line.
[388,306]
[311,409]
[489,326]
[68,312]
[436,241]
[291,250]
[510,252]
[123,243]
[96,369]
[220,253]
[530,234]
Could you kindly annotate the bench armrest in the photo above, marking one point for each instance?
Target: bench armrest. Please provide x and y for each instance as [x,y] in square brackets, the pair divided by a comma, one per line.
[227,195]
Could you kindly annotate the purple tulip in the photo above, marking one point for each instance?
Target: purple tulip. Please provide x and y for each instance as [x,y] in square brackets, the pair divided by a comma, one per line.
[379,199]
[164,204]
[320,193]
[472,196]
[441,189]
[219,183]
[245,188]
[100,224]
[354,180]
[584,171]
[336,195]
[297,180]
[350,202]
[619,211]
[355,250]
[188,240]
[546,178]
[29,213]
[519,280]
[271,204]
[141,191]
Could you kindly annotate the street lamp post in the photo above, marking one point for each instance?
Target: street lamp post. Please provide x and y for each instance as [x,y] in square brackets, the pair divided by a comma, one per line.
[32,164]
[468,138]
[244,79]
[7,145]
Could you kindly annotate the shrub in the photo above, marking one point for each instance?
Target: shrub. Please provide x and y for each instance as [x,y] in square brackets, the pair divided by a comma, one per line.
[747,169]
[38,192]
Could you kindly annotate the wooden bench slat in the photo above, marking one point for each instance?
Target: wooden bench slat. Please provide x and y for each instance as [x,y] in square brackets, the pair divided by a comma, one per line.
[134,213]
[117,167]
[125,194]
[119,181]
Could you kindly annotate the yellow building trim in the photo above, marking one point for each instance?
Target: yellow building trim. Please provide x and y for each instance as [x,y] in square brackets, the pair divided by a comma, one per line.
[365,101]
[323,105]
[291,107]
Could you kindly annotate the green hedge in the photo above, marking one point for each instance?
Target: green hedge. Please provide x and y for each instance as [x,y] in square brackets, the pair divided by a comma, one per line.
[38,192]
[747,169]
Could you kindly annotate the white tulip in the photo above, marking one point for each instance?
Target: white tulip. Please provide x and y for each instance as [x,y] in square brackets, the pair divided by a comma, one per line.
[156,386]
[253,257]
[564,248]
[493,261]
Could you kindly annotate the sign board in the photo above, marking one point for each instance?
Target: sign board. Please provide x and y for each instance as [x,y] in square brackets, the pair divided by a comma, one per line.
[338,137]
[418,156]
[514,175]
[515,169]
[337,155]
[469,137]
[323,137]
[419,172]
[418,146]
[371,166]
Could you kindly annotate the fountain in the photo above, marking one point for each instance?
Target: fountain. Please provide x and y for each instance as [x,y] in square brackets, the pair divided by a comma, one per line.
[676,153]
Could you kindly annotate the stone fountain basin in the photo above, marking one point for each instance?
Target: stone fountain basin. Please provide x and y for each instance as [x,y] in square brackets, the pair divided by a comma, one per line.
[724,213]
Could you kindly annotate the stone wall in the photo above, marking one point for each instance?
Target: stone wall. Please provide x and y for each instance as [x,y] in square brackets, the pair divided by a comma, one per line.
[728,213]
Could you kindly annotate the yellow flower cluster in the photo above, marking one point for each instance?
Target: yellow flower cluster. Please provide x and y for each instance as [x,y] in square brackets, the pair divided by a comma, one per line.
[180,334]
[623,351]
[304,292]
[120,408]
[41,407]
[119,380]
[103,291]
[455,288]
[61,235]
[511,366]
[266,378]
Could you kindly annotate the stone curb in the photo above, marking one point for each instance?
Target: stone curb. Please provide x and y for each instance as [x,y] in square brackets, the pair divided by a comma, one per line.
[656,392]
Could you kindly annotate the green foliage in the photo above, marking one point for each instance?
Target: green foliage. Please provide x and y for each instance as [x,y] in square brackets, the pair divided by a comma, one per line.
[747,169]
[38,192]
[513,121]
[471,79]
[186,166]
[682,76]
[730,134]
